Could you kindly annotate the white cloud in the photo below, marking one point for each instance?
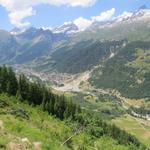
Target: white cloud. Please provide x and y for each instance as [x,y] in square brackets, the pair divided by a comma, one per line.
[16,17]
[104,16]
[20,9]
[83,23]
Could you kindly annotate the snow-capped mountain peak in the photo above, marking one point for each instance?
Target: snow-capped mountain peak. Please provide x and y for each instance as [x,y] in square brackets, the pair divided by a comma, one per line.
[66,28]
[123,17]
[143,11]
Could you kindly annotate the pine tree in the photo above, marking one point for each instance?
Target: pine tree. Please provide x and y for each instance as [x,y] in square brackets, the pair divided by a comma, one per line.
[12,83]
[0,79]
[59,107]
[18,95]
[36,94]
[44,101]
[4,78]
[23,86]
[52,103]
[9,89]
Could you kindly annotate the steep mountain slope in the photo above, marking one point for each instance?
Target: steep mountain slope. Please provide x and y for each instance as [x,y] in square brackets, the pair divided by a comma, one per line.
[8,46]
[25,46]
[127,72]
[22,46]
[81,56]
[34,43]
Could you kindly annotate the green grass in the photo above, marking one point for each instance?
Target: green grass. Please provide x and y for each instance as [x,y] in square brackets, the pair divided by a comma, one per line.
[142,60]
[109,144]
[40,126]
[137,127]
[104,105]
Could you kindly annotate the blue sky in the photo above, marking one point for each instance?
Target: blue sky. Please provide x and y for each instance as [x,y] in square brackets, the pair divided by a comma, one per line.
[50,15]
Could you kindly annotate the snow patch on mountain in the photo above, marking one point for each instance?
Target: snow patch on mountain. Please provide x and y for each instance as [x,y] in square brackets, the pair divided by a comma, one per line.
[143,13]
[66,28]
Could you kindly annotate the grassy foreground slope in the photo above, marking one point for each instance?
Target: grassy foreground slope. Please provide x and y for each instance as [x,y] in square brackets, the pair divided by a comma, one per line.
[20,121]
[26,127]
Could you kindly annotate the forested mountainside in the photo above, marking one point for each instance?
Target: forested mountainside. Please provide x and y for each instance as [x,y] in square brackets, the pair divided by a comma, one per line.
[81,57]
[128,71]
[29,115]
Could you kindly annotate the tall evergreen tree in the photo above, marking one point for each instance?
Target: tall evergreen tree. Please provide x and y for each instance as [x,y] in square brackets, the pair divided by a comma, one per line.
[12,83]
[4,78]
[23,87]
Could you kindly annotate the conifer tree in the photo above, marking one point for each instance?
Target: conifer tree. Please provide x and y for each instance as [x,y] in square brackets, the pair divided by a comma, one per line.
[12,83]
[4,78]
[18,95]
[23,87]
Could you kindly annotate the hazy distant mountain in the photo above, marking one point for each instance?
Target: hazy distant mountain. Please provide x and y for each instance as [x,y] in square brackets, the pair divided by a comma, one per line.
[17,31]
[8,46]
[28,44]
